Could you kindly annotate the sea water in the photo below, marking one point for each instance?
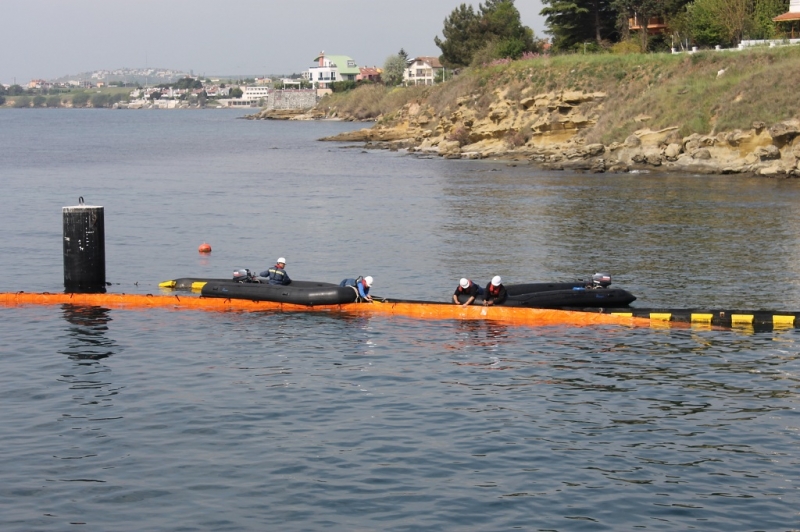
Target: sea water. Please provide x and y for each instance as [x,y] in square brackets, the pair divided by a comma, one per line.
[191,420]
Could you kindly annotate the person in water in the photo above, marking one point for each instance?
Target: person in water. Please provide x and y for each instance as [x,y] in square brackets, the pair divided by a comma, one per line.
[495,293]
[277,274]
[467,288]
[362,285]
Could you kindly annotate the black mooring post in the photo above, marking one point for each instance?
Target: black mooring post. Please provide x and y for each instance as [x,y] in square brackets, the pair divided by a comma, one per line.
[84,248]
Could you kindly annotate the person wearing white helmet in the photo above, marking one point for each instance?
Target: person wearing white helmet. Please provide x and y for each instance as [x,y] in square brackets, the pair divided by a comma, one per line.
[360,285]
[495,293]
[277,274]
[466,288]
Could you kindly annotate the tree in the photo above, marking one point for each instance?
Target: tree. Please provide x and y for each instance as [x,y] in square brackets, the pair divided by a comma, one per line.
[236,92]
[764,11]
[460,31]
[502,24]
[722,22]
[496,26]
[643,10]
[15,90]
[188,83]
[393,69]
[734,16]
[574,22]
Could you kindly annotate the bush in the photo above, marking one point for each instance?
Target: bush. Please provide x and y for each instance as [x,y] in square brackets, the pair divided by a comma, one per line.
[460,135]
[80,99]
[343,86]
[626,47]
[53,101]
[515,139]
[22,101]
[99,100]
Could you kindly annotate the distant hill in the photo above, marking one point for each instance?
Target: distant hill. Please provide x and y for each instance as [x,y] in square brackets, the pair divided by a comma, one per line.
[142,76]
[146,76]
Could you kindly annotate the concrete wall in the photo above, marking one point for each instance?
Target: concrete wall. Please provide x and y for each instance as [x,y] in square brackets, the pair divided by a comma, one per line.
[291,99]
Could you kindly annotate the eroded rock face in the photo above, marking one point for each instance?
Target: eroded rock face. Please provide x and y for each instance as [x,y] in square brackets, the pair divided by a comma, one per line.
[550,129]
[767,153]
[785,132]
[632,142]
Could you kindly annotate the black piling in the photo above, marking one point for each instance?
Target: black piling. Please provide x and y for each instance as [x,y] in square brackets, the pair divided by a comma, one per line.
[84,248]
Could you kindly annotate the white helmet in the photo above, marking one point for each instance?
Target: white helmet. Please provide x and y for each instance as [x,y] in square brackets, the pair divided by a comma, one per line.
[464,282]
[496,280]
[282,260]
[368,280]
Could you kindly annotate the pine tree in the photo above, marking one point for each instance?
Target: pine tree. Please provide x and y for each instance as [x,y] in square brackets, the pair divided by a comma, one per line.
[496,26]
[572,22]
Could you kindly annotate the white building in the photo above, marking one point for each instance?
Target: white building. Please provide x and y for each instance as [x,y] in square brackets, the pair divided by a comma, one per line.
[421,70]
[254,93]
[331,68]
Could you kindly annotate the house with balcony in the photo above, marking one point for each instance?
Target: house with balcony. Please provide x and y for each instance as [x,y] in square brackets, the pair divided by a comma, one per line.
[372,74]
[330,69]
[653,25]
[792,19]
[421,70]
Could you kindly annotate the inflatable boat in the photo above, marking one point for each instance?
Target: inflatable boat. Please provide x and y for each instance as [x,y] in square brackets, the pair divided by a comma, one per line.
[594,293]
[562,295]
[307,293]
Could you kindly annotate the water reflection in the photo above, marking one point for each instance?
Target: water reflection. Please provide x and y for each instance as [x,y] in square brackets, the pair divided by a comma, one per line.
[674,241]
[88,340]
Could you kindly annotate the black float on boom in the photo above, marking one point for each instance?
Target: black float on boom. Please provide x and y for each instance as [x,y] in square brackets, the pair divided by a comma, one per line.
[84,248]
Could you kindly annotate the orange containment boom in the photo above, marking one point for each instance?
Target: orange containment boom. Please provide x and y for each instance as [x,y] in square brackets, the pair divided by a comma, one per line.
[432,311]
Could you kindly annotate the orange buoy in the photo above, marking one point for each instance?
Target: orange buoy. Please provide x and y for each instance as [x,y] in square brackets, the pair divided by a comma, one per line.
[204,248]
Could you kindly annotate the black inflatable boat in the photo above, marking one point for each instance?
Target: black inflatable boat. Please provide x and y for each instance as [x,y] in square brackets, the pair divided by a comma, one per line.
[574,295]
[308,293]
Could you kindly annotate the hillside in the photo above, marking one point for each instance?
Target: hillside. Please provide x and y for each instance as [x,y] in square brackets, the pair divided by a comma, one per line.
[714,112]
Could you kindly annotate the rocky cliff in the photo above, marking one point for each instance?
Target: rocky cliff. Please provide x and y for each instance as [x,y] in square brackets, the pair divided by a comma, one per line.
[731,112]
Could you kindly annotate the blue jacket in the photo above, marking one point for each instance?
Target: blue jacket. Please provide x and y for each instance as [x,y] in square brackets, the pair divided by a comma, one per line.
[363,291]
[276,275]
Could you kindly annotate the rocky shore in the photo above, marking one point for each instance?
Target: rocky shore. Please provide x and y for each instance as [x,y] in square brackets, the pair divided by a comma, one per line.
[550,130]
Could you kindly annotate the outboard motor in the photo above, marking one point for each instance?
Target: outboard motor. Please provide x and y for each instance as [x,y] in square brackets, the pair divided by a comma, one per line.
[243,275]
[601,280]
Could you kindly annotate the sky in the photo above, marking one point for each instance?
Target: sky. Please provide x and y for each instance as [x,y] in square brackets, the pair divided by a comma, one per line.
[48,39]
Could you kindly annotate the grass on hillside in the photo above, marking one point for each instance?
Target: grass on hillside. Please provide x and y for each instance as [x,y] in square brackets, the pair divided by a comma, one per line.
[368,102]
[681,90]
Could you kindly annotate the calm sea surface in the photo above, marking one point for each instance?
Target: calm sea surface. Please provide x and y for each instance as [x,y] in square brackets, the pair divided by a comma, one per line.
[188,420]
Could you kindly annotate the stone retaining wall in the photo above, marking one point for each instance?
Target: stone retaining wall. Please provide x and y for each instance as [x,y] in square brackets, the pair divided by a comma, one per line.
[291,99]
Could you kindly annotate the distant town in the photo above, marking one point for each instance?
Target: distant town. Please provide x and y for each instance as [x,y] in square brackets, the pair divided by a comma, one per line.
[130,88]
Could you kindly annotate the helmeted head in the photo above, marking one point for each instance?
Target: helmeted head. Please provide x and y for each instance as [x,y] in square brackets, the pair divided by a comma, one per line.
[368,280]
[496,280]
[281,260]
[603,280]
[464,283]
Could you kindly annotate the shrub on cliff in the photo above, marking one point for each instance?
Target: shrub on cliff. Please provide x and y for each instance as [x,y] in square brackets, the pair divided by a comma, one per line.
[368,102]
[460,135]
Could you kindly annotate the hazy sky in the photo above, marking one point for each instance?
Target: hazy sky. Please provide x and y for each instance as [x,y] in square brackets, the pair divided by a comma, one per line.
[51,38]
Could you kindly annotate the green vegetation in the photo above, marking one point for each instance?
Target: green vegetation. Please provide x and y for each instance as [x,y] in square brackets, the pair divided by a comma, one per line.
[393,69]
[687,91]
[495,28]
[370,101]
[573,23]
